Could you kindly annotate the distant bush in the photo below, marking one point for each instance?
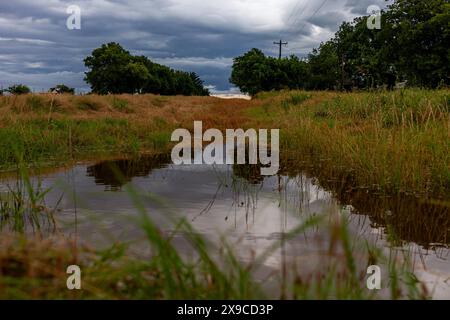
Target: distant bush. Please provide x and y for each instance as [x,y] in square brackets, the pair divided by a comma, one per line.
[18,89]
[62,89]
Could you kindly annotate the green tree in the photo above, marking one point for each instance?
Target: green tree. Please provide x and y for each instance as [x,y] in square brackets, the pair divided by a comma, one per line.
[112,69]
[137,76]
[251,73]
[18,89]
[198,84]
[412,45]
[324,67]
[296,72]
[419,33]
[254,72]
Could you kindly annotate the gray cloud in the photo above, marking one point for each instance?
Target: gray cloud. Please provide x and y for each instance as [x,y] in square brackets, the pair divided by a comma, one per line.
[37,49]
[359,7]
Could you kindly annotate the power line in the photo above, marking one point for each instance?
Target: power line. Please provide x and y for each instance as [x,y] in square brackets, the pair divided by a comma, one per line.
[297,19]
[312,16]
[294,12]
[315,12]
[296,9]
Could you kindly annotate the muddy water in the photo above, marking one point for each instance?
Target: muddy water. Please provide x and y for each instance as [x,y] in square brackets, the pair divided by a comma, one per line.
[250,212]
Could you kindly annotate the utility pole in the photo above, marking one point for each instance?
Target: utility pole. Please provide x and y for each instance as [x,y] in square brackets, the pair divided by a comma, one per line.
[281,43]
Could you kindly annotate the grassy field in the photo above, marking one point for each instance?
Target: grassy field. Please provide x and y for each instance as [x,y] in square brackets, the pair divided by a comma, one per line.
[47,129]
[385,142]
[388,142]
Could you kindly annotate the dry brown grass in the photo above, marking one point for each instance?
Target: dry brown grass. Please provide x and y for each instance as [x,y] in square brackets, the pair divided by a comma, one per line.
[177,110]
[31,256]
[30,266]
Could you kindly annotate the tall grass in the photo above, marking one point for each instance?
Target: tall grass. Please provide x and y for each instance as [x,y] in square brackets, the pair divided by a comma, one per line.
[385,141]
[61,140]
[23,208]
[59,128]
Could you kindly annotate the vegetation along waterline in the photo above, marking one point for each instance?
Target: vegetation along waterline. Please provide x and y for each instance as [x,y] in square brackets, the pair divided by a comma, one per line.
[45,128]
[319,127]
[384,141]
[33,267]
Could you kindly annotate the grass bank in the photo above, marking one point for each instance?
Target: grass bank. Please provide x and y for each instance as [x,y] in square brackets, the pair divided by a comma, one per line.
[388,142]
[48,129]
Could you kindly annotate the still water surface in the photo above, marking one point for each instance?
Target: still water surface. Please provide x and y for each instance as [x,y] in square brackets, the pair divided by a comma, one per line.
[249,212]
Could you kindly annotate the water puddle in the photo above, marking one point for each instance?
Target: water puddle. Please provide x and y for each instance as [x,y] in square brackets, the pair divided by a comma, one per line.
[250,212]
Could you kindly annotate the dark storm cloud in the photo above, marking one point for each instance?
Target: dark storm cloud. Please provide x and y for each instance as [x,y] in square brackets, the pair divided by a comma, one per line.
[359,7]
[37,49]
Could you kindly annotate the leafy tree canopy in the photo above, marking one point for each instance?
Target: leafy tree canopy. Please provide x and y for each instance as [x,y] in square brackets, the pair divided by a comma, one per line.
[412,45]
[254,72]
[112,69]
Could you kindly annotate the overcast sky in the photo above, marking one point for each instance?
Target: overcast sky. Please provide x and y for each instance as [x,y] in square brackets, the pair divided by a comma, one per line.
[37,49]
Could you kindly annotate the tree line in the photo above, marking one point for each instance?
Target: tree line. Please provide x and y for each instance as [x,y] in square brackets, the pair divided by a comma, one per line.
[412,46]
[112,69]
[18,89]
